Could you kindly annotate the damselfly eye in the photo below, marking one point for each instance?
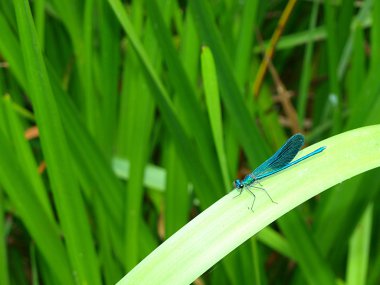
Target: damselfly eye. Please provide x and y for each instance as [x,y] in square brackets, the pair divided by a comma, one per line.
[238,184]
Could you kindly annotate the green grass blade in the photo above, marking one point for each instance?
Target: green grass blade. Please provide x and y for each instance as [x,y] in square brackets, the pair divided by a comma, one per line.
[185,149]
[274,240]
[176,193]
[335,98]
[314,267]
[136,124]
[178,201]
[190,49]
[85,66]
[359,250]
[44,232]
[39,13]
[307,69]
[186,98]
[189,111]
[228,223]
[244,130]
[138,152]
[4,268]
[374,265]
[25,156]
[331,226]
[245,40]
[257,263]
[357,73]
[213,105]
[93,168]
[11,49]
[109,75]
[70,13]
[65,188]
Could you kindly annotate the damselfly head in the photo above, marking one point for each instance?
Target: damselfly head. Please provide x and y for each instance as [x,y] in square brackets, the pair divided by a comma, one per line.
[238,184]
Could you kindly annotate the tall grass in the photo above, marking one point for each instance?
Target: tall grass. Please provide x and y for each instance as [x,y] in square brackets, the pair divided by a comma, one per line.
[123,120]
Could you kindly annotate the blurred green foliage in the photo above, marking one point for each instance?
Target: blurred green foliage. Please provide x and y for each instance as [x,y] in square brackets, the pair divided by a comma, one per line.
[135,148]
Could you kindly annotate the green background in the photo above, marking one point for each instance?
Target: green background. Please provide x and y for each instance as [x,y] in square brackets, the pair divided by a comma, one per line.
[148,110]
